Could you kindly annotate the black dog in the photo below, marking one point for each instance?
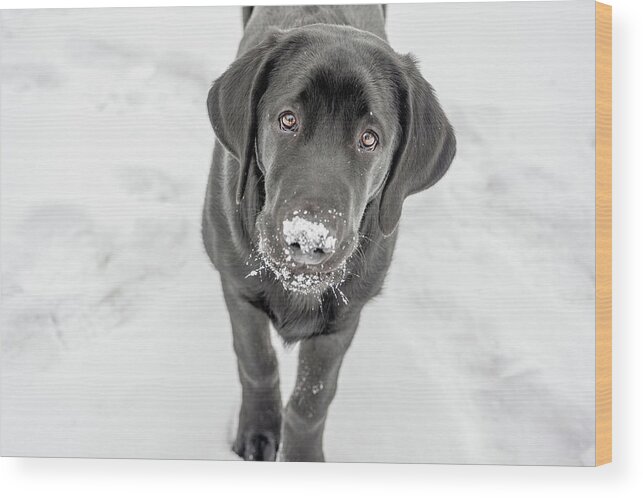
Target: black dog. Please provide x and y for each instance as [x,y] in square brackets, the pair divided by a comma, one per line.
[322,132]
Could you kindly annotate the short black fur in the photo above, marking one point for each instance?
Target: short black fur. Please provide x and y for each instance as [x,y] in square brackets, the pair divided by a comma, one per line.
[333,66]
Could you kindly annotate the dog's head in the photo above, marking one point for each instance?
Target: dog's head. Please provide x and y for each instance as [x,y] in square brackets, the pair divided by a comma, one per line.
[329,119]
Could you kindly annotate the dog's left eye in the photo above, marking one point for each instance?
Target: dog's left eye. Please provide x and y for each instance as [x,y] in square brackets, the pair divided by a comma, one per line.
[368,140]
[288,121]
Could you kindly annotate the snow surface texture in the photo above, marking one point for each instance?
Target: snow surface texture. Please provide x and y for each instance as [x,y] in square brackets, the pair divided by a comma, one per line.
[115,336]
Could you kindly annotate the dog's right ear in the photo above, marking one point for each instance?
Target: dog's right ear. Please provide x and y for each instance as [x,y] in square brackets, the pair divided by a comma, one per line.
[232,103]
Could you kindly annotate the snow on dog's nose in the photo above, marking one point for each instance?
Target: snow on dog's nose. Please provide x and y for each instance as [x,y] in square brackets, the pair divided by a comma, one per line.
[309,242]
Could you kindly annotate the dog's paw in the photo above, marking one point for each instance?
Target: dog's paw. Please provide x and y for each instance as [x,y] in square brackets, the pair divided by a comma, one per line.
[259,446]
[304,451]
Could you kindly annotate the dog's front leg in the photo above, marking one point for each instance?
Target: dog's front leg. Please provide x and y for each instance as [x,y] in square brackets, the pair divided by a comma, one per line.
[259,428]
[320,358]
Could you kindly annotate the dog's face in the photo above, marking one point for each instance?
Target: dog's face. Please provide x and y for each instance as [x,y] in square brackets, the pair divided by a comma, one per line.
[331,119]
[327,131]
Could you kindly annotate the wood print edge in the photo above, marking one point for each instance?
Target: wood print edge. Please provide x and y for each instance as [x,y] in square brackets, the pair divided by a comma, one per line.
[603,234]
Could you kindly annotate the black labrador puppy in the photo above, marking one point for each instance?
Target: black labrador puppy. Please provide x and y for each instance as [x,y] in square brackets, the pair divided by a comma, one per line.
[322,131]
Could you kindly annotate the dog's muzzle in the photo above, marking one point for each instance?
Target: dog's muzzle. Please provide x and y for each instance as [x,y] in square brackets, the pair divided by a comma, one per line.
[308,241]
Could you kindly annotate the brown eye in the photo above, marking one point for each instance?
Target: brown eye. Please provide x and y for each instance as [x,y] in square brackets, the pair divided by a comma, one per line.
[287,121]
[368,140]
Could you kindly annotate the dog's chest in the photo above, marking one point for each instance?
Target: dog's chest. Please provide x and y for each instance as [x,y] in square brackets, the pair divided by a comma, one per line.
[297,316]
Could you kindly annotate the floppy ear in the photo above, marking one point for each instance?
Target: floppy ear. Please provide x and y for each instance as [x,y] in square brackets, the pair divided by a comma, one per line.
[426,148]
[232,104]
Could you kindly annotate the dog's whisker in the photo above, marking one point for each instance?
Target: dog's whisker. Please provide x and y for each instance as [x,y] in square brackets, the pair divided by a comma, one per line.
[343,296]
[332,288]
[372,241]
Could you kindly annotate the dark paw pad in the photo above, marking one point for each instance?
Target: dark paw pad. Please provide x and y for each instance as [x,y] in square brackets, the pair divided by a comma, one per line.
[260,447]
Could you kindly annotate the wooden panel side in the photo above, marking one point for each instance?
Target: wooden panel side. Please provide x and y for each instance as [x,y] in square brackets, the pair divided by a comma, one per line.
[603,234]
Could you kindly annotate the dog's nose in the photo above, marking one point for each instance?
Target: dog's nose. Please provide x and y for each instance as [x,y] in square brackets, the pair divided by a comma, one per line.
[309,241]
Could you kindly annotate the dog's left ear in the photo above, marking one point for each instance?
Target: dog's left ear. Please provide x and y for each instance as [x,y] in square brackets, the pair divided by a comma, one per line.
[232,104]
[426,148]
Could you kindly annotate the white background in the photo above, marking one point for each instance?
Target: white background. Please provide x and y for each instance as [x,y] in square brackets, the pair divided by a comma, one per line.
[34,477]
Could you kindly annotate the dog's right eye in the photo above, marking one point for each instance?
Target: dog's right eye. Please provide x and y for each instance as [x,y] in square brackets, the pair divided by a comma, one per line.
[288,121]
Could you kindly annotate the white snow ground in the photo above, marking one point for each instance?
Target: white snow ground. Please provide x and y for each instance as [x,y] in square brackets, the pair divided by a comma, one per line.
[115,338]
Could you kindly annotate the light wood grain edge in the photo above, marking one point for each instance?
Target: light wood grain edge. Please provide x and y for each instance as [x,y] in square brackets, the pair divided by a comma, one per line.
[603,233]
